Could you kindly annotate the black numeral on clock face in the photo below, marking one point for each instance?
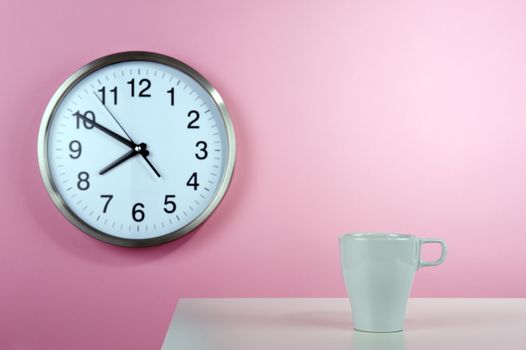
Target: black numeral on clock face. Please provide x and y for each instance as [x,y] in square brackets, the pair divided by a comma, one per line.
[76,149]
[103,94]
[192,181]
[172,95]
[203,153]
[191,124]
[144,83]
[137,213]
[80,119]
[83,181]
[169,204]
[108,198]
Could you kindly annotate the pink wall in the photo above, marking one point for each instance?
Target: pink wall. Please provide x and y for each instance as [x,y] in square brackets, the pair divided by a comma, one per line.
[350,115]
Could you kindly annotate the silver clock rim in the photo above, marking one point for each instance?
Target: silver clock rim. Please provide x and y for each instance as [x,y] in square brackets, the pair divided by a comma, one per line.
[83,72]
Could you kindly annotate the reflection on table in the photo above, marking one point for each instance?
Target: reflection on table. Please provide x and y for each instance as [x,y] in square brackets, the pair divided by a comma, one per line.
[309,324]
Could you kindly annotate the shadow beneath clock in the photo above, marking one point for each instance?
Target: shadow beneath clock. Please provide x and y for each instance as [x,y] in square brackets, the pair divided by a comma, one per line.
[70,239]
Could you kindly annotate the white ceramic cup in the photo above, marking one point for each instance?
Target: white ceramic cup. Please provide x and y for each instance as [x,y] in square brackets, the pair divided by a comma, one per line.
[378,270]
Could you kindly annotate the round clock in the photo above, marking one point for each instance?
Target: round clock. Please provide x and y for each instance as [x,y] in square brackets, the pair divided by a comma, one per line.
[136,149]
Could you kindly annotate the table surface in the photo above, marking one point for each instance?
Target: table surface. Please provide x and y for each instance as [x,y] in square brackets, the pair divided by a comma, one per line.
[294,324]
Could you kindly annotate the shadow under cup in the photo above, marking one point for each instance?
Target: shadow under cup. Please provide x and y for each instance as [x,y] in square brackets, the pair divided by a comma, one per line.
[378,270]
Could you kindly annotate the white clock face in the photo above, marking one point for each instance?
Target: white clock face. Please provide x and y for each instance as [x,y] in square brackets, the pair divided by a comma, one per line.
[136,150]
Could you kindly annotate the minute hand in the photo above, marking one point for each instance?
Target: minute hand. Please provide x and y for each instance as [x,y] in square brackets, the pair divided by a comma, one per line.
[105,130]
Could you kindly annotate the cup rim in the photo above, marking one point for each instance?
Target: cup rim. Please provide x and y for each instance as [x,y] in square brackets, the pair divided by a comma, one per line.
[376,235]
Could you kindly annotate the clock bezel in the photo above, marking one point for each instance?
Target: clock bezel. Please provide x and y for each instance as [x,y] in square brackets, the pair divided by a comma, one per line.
[69,84]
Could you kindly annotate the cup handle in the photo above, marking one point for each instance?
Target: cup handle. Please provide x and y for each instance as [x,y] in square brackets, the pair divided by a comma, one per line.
[443,254]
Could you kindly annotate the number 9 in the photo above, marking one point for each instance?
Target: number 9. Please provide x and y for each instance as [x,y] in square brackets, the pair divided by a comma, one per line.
[75,147]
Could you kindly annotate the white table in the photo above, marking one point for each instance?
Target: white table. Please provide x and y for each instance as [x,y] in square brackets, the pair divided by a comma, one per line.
[304,324]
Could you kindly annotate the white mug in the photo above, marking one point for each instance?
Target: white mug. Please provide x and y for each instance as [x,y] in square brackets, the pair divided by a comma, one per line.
[378,270]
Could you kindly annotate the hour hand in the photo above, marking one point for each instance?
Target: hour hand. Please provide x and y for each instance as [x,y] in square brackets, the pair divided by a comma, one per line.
[137,150]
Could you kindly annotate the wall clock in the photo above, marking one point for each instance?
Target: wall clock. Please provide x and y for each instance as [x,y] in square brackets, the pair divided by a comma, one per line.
[136,149]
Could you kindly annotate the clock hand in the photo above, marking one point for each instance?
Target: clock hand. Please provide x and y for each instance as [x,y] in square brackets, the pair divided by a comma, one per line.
[105,130]
[107,109]
[140,149]
[145,156]
[137,150]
